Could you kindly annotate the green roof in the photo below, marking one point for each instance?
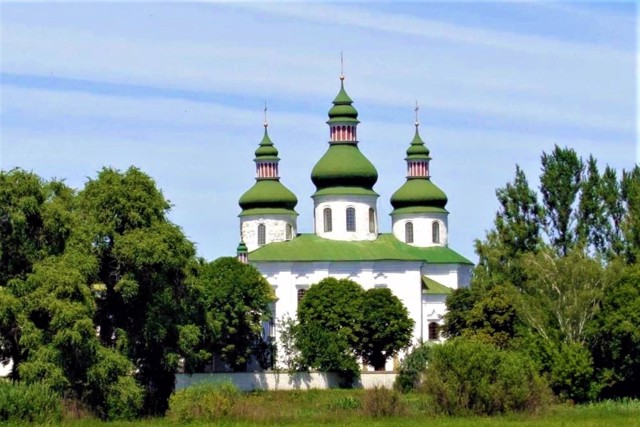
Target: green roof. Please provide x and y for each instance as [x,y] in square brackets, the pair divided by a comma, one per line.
[310,247]
[419,209]
[268,193]
[344,165]
[431,287]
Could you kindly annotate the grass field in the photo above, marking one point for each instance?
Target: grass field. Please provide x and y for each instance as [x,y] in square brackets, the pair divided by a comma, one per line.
[340,408]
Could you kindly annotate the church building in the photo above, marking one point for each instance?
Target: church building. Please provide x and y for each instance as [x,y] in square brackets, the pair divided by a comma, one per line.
[414,261]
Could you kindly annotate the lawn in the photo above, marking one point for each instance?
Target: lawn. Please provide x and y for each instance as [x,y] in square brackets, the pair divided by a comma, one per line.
[344,408]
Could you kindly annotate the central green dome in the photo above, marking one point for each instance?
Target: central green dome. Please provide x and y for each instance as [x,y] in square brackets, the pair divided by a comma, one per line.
[344,169]
[343,165]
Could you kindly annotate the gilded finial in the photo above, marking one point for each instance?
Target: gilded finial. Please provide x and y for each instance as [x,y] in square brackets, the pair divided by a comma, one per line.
[341,66]
[266,123]
[416,110]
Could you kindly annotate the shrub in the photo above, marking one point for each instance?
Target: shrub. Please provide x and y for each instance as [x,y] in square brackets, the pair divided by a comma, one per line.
[382,402]
[412,368]
[572,374]
[470,377]
[205,402]
[31,403]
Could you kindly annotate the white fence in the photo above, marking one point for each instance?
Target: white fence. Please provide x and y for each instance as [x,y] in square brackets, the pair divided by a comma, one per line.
[249,381]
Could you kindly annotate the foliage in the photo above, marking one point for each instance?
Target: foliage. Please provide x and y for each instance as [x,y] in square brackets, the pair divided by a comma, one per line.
[572,375]
[465,376]
[330,327]
[235,300]
[412,368]
[614,336]
[288,350]
[382,402]
[29,403]
[562,294]
[205,402]
[386,327]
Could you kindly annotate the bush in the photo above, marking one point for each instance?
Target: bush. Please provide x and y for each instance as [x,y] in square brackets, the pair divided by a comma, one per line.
[31,403]
[470,377]
[382,402]
[205,402]
[572,374]
[412,368]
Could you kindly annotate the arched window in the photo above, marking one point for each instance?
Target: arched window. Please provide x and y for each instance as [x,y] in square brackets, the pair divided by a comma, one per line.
[351,219]
[408,232]
[328,225]
[372,221]
[262,235]
[434,331]
[289,233]
[435,230]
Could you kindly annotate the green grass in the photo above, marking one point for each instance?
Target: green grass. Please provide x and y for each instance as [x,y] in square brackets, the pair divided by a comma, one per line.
[340,408]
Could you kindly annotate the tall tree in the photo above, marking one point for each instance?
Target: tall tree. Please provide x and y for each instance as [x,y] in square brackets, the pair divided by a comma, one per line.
[592,223]
[143,265]
[559,185]
[34,221]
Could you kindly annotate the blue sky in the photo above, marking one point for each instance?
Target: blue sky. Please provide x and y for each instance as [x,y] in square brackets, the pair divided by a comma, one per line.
[177,89]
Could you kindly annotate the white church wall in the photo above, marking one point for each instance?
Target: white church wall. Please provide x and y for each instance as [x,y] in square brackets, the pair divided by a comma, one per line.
[453,276]
[422,228]
[403,278]
[339,205]
[434,309]
[275,228]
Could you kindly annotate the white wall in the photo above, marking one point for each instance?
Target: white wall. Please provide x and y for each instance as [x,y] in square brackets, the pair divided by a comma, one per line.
[339,205]
[276,228]
[403,278]
[422,228]
[249,381]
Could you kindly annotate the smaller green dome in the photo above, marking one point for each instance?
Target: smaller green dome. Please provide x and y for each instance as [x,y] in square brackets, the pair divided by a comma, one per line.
[268,193]
[242,248]
[419,192]
[266,150]
[343,110]
[417,149]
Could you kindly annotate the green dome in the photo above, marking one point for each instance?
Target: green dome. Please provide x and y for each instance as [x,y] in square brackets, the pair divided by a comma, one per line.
[417,149]
[268,194]
[343,110]
[343,165]
[266,149]
[419,193]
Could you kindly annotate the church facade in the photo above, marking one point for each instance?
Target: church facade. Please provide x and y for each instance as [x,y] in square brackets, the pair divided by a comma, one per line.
[414,261]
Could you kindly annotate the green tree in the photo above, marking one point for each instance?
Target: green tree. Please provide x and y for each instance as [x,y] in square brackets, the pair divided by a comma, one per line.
[144,262]
[330,326]
[615,336]
[34,221]
[235,300]
[386,327]
[559,184]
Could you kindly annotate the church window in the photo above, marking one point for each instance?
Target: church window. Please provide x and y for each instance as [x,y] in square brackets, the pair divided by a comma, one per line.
[289,233]
[351,219]
[408,232]
[301,292]
[372,221]
[435,229]
[434,331]
[328,225]
[262,235]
